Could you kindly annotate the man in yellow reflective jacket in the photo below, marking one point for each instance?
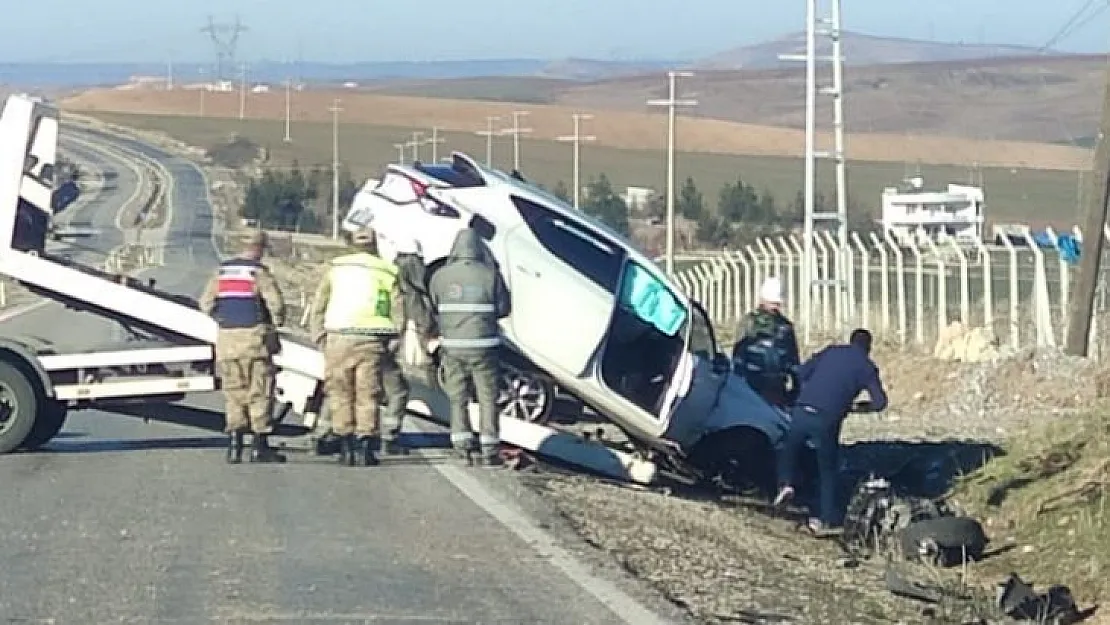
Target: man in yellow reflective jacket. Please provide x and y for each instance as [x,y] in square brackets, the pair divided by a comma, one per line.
[356,315]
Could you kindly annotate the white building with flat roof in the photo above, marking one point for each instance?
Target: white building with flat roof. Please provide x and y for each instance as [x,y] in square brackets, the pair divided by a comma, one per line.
[956,212]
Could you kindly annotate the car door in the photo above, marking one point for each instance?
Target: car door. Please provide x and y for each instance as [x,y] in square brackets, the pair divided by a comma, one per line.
[696,383]
[562,279]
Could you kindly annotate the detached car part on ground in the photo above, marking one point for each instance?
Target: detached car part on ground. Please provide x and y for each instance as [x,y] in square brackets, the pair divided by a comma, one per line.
[592,317]
[881,520]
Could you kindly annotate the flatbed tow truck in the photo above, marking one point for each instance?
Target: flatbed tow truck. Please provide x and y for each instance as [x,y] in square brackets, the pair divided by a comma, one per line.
[38,386]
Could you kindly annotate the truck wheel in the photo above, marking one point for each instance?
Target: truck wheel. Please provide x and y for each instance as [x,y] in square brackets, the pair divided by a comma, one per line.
[18,407]
[50,420]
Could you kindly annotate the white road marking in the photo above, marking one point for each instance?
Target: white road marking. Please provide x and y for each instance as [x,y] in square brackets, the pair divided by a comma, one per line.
[627,608]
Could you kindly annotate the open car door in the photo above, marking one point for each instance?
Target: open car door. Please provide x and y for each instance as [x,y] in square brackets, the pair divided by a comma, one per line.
[698,378]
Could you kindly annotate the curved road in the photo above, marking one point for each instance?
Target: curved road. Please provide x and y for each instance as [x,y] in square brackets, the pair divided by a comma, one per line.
[121,521]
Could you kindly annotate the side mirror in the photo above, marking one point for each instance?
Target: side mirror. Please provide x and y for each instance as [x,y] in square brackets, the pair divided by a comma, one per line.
[722,364]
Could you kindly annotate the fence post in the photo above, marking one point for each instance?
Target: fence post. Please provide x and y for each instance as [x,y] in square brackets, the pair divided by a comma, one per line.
[757,275]
[865,280]
[744,288]
[884,281]
[900,275]
[836,283]
[822,275]
[788,277]
[720,273]
[1042,316]
[965,282]
[797,251]
[919,292]
[684,283]
[702,282]
[766,256]
[1065,287]
[942,280]
[988,286]
[1015,329]
[734,283]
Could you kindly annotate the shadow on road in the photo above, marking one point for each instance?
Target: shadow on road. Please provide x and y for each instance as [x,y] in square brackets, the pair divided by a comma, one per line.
[135,444]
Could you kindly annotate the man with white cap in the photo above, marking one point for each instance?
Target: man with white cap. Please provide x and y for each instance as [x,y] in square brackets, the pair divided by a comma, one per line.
[766,351]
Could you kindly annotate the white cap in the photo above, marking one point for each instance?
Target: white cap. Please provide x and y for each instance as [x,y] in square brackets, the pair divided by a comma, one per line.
[771,291]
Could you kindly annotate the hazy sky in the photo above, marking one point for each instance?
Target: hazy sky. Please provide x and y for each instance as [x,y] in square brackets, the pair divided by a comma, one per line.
[367,30]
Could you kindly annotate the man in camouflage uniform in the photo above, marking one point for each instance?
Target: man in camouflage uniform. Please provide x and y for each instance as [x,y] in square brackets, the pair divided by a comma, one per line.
[244,299]
[470,296]
[355,315]
[766,353]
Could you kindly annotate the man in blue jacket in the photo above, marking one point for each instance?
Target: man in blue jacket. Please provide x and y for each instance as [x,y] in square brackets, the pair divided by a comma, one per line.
[830,382]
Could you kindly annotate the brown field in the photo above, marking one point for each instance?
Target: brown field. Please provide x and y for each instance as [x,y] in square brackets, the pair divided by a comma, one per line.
[1035,196]
[617,129]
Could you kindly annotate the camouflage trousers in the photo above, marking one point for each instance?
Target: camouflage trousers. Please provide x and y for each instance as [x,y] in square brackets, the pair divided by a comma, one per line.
[246,372]
[464,370]
[357,373]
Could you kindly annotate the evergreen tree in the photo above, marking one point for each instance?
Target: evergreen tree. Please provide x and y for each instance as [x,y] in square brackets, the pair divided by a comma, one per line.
[603,203]
[690,203]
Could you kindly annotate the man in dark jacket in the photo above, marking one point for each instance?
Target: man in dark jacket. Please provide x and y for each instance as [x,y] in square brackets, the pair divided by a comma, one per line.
[469,297]
[830,382]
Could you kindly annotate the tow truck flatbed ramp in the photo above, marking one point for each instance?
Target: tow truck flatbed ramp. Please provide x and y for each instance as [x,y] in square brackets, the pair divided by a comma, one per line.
[176,356]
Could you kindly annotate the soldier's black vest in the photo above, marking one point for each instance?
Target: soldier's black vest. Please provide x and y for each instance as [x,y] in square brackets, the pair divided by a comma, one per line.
[238,304]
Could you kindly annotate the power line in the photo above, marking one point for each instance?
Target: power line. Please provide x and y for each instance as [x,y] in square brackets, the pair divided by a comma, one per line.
[1074,23]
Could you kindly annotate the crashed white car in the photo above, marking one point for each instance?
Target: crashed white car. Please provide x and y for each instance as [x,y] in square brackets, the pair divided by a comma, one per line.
[590,314]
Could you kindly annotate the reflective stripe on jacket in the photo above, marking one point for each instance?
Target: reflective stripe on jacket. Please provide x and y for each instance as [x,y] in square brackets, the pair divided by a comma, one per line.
[468,317]
[238,304]
[361,295]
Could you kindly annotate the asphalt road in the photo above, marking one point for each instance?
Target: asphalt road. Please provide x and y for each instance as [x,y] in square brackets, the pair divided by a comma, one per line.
[118,520]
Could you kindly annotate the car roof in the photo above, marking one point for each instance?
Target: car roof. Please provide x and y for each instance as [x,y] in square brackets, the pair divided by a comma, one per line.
[553,202]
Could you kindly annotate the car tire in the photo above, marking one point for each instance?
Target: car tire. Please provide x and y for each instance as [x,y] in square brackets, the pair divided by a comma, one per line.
[737,460]
[521,394]
[941,534]
[51,419]
[19,406]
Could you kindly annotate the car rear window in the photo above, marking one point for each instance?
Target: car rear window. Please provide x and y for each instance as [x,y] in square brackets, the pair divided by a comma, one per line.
[452,175]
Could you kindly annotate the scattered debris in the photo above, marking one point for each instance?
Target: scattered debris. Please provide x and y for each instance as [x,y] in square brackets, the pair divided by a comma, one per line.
[1056,606]
[966,344]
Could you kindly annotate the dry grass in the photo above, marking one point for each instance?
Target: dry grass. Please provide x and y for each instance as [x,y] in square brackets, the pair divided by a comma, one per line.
[619,129]
[1050,491]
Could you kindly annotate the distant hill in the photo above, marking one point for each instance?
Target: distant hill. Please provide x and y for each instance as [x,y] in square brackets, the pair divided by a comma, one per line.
[859,49]
[39,75]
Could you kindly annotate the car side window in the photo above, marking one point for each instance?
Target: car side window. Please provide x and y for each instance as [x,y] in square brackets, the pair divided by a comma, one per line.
[586,251]
[702,340]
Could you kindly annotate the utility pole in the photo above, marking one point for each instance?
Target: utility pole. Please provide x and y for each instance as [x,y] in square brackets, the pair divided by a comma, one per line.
[489,133]
[516,131]
[169,74]
[415,143]
[335,167]
[830,27]
[671,103]
[400,152]
[203,88]
[434,141]
[288,110]
[576,140]
[242,91]
[1082,305]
